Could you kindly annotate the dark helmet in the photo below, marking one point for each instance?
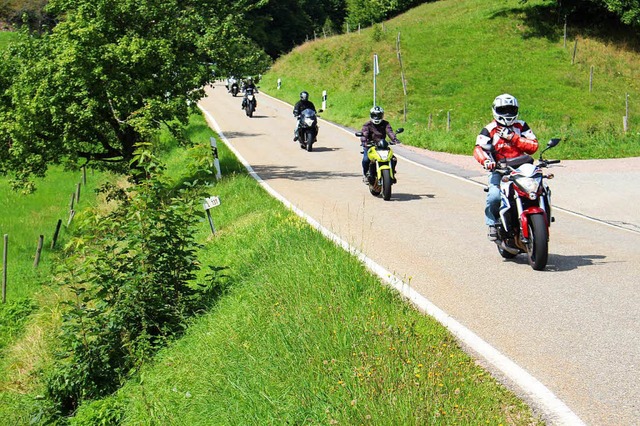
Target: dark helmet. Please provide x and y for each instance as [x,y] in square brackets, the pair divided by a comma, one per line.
[377,114]
[304,96]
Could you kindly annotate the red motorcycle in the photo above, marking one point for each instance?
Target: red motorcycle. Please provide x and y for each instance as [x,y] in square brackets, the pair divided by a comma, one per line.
[525,210]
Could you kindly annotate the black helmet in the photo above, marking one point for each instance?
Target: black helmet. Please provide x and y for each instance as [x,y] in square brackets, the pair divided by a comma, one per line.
[377,114]
[304,95]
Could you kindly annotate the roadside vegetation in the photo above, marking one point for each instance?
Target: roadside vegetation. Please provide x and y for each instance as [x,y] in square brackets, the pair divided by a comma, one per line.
[459,55]
[285,339]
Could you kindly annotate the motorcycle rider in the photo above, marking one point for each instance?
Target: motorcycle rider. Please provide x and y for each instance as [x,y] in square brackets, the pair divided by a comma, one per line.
[248,83]
[375,129]
[505,137]
[301,105]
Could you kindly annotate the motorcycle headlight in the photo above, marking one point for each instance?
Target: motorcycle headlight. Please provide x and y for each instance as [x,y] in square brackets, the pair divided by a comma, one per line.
[250,97]
[384,155]
[308,121]
[528,185]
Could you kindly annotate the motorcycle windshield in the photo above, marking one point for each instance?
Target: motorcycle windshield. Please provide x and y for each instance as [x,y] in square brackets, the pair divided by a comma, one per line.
[308,113]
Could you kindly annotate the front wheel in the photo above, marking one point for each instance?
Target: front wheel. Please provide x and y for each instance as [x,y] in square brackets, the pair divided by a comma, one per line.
[386,184]
[538,245]
[308,136]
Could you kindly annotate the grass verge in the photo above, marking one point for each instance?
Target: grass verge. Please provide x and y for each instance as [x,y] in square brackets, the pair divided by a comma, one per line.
[304,334]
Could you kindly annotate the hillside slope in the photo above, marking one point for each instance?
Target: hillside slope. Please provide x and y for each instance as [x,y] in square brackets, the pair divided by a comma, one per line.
[459,55]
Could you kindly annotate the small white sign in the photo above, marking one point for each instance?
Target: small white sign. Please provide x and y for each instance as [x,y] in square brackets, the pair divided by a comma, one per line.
[211,202]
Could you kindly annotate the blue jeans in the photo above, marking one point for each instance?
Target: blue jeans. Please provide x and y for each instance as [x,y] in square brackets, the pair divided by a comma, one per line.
[492,209]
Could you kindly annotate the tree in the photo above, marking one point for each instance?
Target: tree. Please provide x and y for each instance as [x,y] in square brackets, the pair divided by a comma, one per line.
[109,74]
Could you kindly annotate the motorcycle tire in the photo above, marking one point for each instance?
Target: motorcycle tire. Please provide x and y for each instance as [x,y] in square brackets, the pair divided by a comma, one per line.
[538,245]
[386,184]
[308,136]
[249,110]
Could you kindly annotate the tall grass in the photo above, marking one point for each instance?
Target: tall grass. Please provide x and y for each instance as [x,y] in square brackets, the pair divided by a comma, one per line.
[459,55]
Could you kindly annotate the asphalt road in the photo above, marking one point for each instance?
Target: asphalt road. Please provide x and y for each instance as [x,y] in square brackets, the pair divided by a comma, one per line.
[575,327]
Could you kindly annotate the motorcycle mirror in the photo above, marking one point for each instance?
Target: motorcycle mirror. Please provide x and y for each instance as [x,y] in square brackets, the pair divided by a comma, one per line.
[553,142]
[400,130]
[320,110]
[359,134]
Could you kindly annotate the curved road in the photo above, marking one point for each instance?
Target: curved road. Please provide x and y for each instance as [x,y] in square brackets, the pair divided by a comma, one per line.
[575,327]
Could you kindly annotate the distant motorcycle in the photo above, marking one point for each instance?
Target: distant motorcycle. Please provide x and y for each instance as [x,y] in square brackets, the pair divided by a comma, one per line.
[525,210]
[307,129]
[381,176]
[235,89]
[249,102]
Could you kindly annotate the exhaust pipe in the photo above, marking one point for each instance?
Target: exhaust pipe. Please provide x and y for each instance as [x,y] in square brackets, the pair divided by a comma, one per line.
[511,250]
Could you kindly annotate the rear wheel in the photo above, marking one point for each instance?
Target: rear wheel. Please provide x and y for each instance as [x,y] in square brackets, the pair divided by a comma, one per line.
[538,245]
[386,184]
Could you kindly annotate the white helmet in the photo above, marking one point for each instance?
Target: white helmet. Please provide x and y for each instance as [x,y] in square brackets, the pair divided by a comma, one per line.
[377,114]
[505,109]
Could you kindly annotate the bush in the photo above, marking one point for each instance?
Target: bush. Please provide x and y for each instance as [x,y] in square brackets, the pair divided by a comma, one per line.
[133,292]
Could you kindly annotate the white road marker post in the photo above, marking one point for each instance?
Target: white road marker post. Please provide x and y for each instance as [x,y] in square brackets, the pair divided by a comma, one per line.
[216,161]
[208,204]
[279,83]
[324,99]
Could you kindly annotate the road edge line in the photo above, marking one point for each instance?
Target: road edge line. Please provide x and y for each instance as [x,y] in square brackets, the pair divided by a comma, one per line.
[538,394]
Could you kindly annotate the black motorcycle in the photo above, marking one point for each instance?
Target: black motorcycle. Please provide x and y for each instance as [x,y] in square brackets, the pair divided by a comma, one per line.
[307,129]
[235,89]
[249,102]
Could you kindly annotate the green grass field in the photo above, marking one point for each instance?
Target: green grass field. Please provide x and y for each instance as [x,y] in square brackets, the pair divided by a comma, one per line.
[459,55]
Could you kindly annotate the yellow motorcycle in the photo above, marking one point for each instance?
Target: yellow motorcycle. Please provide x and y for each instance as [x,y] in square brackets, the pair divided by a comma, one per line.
[381,176]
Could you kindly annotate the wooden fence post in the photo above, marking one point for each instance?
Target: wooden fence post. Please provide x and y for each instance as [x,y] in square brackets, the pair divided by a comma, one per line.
[36,261]
[565,31]
[84,175]
[575,48]
[591,79]
[78,193]
[429,122]
[55,234]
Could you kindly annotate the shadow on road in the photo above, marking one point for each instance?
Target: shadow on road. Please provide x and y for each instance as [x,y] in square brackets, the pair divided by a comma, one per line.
[560,263]
[323,149]
[231,135]
[410,197]
[293,173]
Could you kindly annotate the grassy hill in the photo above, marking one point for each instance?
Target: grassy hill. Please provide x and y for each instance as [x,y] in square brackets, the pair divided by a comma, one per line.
[459,55]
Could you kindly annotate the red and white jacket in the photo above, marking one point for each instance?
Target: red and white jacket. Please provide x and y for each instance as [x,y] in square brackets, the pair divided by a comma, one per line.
[490,146]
